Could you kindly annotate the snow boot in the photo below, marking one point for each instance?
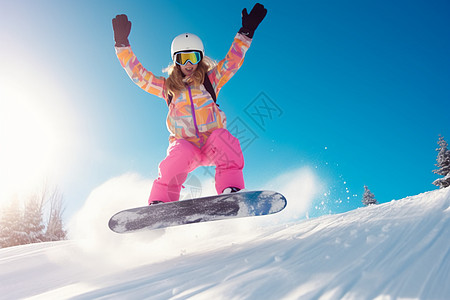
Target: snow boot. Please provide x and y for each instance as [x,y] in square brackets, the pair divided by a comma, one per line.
[232,189]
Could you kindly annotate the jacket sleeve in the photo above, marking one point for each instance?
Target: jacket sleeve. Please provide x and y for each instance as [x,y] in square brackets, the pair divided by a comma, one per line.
[228,66]
[145,79]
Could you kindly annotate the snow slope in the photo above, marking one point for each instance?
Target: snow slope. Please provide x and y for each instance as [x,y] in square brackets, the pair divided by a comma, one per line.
[396,250]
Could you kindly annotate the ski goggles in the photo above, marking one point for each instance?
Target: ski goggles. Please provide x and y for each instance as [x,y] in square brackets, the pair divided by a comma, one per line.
[182,58]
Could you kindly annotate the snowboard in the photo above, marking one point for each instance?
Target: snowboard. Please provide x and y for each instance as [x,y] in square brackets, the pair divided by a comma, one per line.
[205,209]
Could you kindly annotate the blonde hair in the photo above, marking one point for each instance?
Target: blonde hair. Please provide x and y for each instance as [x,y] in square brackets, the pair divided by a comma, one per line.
[176,82]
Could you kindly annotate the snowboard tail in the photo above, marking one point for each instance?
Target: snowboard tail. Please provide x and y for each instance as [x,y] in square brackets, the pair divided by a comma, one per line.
[212,208]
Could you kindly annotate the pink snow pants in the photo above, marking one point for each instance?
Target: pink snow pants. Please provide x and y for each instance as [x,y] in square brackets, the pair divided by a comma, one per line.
[221,149]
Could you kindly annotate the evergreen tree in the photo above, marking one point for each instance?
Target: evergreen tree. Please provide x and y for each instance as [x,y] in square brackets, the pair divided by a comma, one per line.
[368,197]
[23,224]
[12,231]
[55,230]
[32,220]
[443,164]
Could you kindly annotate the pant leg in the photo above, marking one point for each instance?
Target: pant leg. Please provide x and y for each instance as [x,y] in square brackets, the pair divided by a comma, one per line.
[223,150]
[182,158]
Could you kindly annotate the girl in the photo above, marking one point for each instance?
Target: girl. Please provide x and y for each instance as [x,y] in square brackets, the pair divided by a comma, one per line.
[197,126]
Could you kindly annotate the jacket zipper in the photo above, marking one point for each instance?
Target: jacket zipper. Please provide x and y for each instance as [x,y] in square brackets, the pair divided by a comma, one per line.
[193,112]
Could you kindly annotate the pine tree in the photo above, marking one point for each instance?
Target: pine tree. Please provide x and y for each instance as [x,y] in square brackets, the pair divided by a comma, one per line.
[368,197]
[12,231]
[32,220]
[55,230]
[443,164]
[23,224]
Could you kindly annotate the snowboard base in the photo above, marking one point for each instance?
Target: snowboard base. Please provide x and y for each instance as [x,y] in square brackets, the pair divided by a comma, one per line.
[206,209]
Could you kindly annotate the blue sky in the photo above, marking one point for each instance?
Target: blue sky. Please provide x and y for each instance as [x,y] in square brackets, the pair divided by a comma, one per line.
[358,91]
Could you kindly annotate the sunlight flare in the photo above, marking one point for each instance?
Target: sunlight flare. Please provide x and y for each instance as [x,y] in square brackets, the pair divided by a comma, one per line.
[32,141]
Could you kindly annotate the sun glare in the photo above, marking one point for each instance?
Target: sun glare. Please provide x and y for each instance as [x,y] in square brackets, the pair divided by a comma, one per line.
[30,144]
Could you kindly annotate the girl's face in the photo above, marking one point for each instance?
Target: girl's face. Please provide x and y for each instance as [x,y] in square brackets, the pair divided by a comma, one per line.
[188,69]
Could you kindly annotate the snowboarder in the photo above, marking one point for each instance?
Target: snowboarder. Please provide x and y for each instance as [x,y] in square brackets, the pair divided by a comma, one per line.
[198,134]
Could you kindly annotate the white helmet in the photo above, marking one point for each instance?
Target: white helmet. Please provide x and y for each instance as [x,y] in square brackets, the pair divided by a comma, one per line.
[186,42]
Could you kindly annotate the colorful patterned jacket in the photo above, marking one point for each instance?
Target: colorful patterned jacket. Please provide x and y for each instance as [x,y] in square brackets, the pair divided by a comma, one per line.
[193,115]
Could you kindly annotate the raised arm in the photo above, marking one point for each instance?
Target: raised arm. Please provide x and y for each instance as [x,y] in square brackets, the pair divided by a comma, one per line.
[227,67]
[145,79]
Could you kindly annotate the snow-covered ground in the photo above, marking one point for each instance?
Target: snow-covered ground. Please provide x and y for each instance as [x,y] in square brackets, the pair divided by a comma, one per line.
[396,250]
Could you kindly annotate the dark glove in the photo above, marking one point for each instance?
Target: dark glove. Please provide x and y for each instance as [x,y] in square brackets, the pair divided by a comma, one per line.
[251,21]
[122,28]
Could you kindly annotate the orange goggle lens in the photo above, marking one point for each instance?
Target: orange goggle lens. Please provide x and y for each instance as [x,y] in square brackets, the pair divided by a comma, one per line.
[183,58]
